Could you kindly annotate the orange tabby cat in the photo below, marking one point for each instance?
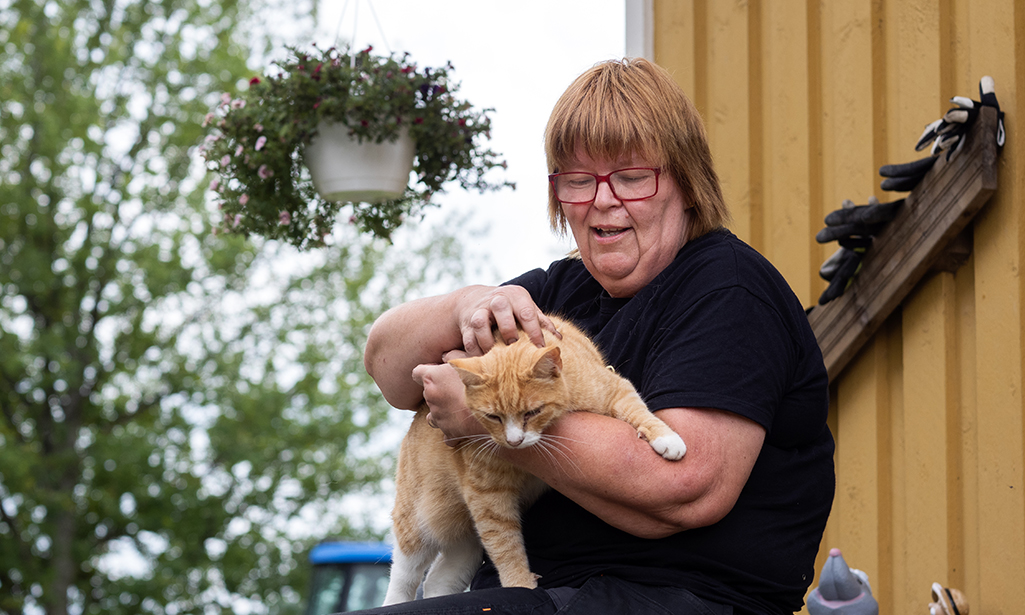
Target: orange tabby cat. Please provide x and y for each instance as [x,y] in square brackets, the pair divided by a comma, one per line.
[444,493]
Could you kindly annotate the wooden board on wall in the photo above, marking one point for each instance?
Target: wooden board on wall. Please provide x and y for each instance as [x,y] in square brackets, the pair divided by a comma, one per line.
[932,216]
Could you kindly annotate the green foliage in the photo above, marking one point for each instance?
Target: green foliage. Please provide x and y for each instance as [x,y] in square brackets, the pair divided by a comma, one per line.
[165,393]
[257,139]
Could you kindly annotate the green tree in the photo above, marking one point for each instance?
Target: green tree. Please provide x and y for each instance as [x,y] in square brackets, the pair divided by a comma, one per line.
[171,397]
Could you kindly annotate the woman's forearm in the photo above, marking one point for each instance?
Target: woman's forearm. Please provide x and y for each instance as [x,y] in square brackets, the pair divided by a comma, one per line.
[600,464]
[406,336]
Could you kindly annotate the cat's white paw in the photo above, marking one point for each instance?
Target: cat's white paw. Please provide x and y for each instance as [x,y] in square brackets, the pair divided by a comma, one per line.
[669,446]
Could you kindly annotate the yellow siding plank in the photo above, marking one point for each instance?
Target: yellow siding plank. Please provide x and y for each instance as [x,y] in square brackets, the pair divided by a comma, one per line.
[857,460]
[929,355]
[990,35]
[786,165]
[675,42]
[964,446]
[727,115]
[912,73]
[846,41]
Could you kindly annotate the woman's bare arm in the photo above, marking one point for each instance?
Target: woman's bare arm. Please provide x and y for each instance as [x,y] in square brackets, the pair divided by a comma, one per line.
[422,331]
[606,469]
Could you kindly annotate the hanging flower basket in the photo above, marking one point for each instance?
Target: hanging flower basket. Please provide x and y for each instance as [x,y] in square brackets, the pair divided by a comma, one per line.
[345,170]
[263,144]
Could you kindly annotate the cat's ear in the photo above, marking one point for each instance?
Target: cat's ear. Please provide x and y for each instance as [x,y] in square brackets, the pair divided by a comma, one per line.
[464,369]
[549,365]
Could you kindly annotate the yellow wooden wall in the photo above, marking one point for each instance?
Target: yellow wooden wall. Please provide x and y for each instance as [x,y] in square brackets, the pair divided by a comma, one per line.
[804,100]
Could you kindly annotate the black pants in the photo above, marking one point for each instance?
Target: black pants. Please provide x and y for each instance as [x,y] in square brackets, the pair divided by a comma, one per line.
[597,596]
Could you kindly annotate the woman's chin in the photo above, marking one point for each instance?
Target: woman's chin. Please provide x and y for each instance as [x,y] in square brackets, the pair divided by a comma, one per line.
[613,272]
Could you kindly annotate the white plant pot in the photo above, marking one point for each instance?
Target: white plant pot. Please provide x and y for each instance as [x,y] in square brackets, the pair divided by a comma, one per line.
[343,169]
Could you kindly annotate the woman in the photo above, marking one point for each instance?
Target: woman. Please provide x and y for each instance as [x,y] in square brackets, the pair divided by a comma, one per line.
[706,329]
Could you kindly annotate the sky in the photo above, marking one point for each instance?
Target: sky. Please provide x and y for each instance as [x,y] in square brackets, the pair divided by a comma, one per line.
[516,58]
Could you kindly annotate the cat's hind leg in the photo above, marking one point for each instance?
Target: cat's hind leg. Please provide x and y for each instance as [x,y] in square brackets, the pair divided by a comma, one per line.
[454,568]
[407,570]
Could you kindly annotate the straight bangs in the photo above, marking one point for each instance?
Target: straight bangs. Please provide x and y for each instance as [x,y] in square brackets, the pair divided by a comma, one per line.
[604,124]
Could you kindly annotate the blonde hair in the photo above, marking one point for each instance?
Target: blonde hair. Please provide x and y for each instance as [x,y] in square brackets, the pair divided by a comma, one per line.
[633,106]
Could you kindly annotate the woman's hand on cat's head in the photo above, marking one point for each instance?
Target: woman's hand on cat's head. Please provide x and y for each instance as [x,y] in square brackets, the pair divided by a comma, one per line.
[507,308]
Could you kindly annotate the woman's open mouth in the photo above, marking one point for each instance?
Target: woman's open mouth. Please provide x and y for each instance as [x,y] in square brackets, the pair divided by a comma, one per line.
[608,232]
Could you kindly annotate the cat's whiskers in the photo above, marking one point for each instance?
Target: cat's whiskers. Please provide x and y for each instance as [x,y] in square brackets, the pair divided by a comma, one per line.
[549,436]
[485,448]
[549,445]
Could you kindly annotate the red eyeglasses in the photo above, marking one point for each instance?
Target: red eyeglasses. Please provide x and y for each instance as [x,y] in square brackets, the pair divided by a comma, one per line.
[633,184]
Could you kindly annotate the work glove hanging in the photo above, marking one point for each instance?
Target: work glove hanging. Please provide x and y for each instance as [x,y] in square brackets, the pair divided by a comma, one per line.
[947,133]
[904,177]
[853,227]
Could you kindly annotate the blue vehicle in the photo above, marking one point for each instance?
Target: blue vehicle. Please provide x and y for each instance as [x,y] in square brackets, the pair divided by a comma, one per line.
[348,576]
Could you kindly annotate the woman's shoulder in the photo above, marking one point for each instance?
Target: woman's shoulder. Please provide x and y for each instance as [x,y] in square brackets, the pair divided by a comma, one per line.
[562,279]
[719,262]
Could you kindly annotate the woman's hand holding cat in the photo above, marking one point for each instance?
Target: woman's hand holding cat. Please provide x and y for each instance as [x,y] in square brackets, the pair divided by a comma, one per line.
[510,308]
[445,395]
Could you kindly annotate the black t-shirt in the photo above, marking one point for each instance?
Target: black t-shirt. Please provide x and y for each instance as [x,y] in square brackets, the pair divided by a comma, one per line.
[718,328]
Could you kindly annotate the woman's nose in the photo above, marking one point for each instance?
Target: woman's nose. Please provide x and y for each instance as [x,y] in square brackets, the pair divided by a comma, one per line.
[605,198]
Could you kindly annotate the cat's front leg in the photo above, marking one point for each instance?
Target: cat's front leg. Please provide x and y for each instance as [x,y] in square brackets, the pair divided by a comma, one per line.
[495,506]
[660,436]
[669,446]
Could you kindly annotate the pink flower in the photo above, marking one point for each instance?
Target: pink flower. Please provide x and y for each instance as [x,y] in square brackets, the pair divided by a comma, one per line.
[226,160]
[209,118]
[237,220]
[261,142]
[239,150]
[238,103]
[264,172]
[242,200]
[284,218]
[225,98]
[215,183]
[258,128]
[254,81]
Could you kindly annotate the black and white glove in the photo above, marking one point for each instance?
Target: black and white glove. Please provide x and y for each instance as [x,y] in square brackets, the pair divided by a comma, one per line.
[946,133]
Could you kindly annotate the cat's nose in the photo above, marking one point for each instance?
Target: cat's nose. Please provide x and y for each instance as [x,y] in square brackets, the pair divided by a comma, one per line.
[514,435]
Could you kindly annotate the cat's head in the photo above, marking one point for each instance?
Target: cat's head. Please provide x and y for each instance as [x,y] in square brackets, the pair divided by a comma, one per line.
[515,391]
